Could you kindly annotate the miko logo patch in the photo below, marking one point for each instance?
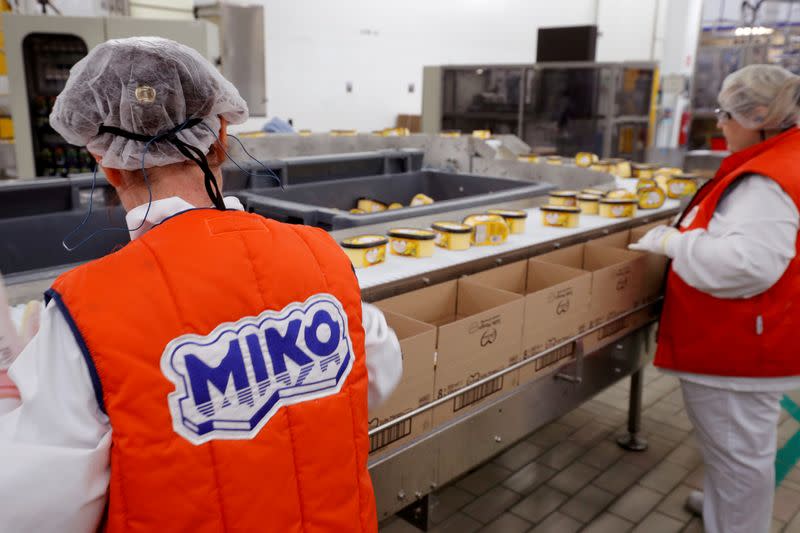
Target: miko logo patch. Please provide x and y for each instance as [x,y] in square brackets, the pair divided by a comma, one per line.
[229,383]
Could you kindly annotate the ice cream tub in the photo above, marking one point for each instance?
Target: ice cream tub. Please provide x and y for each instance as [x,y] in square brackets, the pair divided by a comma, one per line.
[365,250]
[560,216]
[411,242]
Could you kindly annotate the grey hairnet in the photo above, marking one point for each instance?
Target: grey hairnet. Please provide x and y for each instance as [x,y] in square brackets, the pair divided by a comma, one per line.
[762,97]
[145,85]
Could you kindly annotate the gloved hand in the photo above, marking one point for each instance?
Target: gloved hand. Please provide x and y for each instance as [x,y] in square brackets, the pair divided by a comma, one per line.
[655,240]
[29,322]
[10,344]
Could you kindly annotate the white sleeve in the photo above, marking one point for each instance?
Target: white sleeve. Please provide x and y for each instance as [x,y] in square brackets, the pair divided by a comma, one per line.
[55,443]
[384,360]
[748,245]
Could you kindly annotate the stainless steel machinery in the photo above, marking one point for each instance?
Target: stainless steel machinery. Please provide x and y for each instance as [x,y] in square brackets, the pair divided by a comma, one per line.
[605,108]
[494,157]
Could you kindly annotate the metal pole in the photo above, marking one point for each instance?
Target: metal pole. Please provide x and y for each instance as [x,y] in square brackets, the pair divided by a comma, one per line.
[633,441]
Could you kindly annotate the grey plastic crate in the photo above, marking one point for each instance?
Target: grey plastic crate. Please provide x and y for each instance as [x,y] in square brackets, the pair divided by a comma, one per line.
[36,215]
[327,204]
[34,242]
[315,168]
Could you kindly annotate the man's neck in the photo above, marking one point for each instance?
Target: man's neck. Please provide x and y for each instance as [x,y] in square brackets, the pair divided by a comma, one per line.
[186,184]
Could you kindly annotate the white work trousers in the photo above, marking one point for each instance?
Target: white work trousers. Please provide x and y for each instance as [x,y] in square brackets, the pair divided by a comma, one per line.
[738,434]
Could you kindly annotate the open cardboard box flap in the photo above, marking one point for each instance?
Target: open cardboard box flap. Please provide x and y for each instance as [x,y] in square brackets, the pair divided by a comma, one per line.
[479,328]
[617,276]
[418,344]
[474,298]
[520,279]
[620,239]
[655,265]
[623,238]
[544,276]
[556,301]
[600,257]
[509,277]
[433,305]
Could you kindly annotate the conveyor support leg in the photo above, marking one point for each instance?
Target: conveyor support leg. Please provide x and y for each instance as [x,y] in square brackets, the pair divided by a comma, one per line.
[633,441]
[416,514]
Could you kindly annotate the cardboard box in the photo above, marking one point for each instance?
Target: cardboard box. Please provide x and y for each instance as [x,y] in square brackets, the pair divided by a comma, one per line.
[418,344]
[470,400]
[620,240]
[412,122]
[655,268]
[479,332]
[556,305]
[618,329]
[617,277]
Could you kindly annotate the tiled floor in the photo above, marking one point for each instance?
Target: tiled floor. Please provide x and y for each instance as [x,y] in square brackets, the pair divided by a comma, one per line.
[571,476]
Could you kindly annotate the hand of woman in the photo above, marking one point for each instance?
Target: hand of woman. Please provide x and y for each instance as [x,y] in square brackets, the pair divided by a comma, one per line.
[655,241]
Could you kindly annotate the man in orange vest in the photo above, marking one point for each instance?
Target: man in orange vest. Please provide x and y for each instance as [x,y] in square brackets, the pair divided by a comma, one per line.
[215,373]
[730,320]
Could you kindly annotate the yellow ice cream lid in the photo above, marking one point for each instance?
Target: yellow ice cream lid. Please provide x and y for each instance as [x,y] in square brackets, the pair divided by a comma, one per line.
[508,213]
[621,194]
[560,209]
[589,197]
[451,227]
[412,233]
[478,219]
[564,194]
[619,201]
[364,241]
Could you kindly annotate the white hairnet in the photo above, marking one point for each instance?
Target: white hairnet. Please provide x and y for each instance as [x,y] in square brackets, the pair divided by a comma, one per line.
[762,97]
[144,85]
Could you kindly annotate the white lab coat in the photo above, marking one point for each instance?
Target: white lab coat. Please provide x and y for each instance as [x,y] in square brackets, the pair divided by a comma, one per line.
[746,249]
[55,442]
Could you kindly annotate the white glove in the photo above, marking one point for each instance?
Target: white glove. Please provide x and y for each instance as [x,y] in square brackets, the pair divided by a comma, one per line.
[655,241]
[384,359]
[28,325]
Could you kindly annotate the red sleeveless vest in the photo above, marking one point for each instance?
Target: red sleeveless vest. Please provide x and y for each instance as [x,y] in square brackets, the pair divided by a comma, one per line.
[228,352]
[752,337]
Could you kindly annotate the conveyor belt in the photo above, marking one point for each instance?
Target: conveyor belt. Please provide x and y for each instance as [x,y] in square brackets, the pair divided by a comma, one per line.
[401,274]
[396,268]
[408,474]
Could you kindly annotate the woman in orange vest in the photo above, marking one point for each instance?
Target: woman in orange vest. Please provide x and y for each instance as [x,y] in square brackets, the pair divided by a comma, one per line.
[215,373]
[732,305]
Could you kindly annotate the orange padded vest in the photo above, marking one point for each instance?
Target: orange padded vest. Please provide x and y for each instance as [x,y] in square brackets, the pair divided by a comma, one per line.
[745,337]
[228,352]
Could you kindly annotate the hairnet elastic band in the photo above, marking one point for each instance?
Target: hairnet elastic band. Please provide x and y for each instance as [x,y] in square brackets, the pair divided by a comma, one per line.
[192,122]
[190,152]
